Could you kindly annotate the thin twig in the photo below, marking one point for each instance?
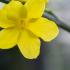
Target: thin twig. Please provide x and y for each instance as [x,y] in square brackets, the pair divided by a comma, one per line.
[53,17]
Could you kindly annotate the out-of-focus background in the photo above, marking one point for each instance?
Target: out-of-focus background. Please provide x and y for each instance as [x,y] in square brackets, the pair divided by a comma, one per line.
[57,52]
[55,55]
[61,8]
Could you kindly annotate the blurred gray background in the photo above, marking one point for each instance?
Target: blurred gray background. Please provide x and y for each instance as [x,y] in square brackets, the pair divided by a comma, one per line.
[57,52]
[61,8]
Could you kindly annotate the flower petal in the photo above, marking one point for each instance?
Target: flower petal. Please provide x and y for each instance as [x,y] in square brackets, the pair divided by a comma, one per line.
[14,9]
[35,8]
[4,21]
[11,13]
[44,28]
[29,45]
[21,0]
[8,38]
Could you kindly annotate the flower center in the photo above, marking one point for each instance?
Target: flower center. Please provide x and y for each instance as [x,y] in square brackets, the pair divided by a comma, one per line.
[21,24]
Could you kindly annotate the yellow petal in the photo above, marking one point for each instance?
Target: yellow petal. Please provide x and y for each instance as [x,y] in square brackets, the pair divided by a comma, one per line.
[4,21]
[23,12]
[13,9]
[8,38]
[20,0]
[11,13]
[44,28]
[35,8]
[29,45]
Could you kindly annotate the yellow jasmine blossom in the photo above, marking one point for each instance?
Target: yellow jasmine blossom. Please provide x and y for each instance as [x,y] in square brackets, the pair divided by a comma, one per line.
[24,25]
[20,0]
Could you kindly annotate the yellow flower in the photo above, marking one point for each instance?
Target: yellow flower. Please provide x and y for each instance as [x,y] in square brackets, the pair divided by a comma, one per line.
[23,25]
[20,0]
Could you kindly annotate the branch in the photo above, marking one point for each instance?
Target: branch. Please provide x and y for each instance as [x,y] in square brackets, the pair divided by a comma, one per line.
[53,17]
